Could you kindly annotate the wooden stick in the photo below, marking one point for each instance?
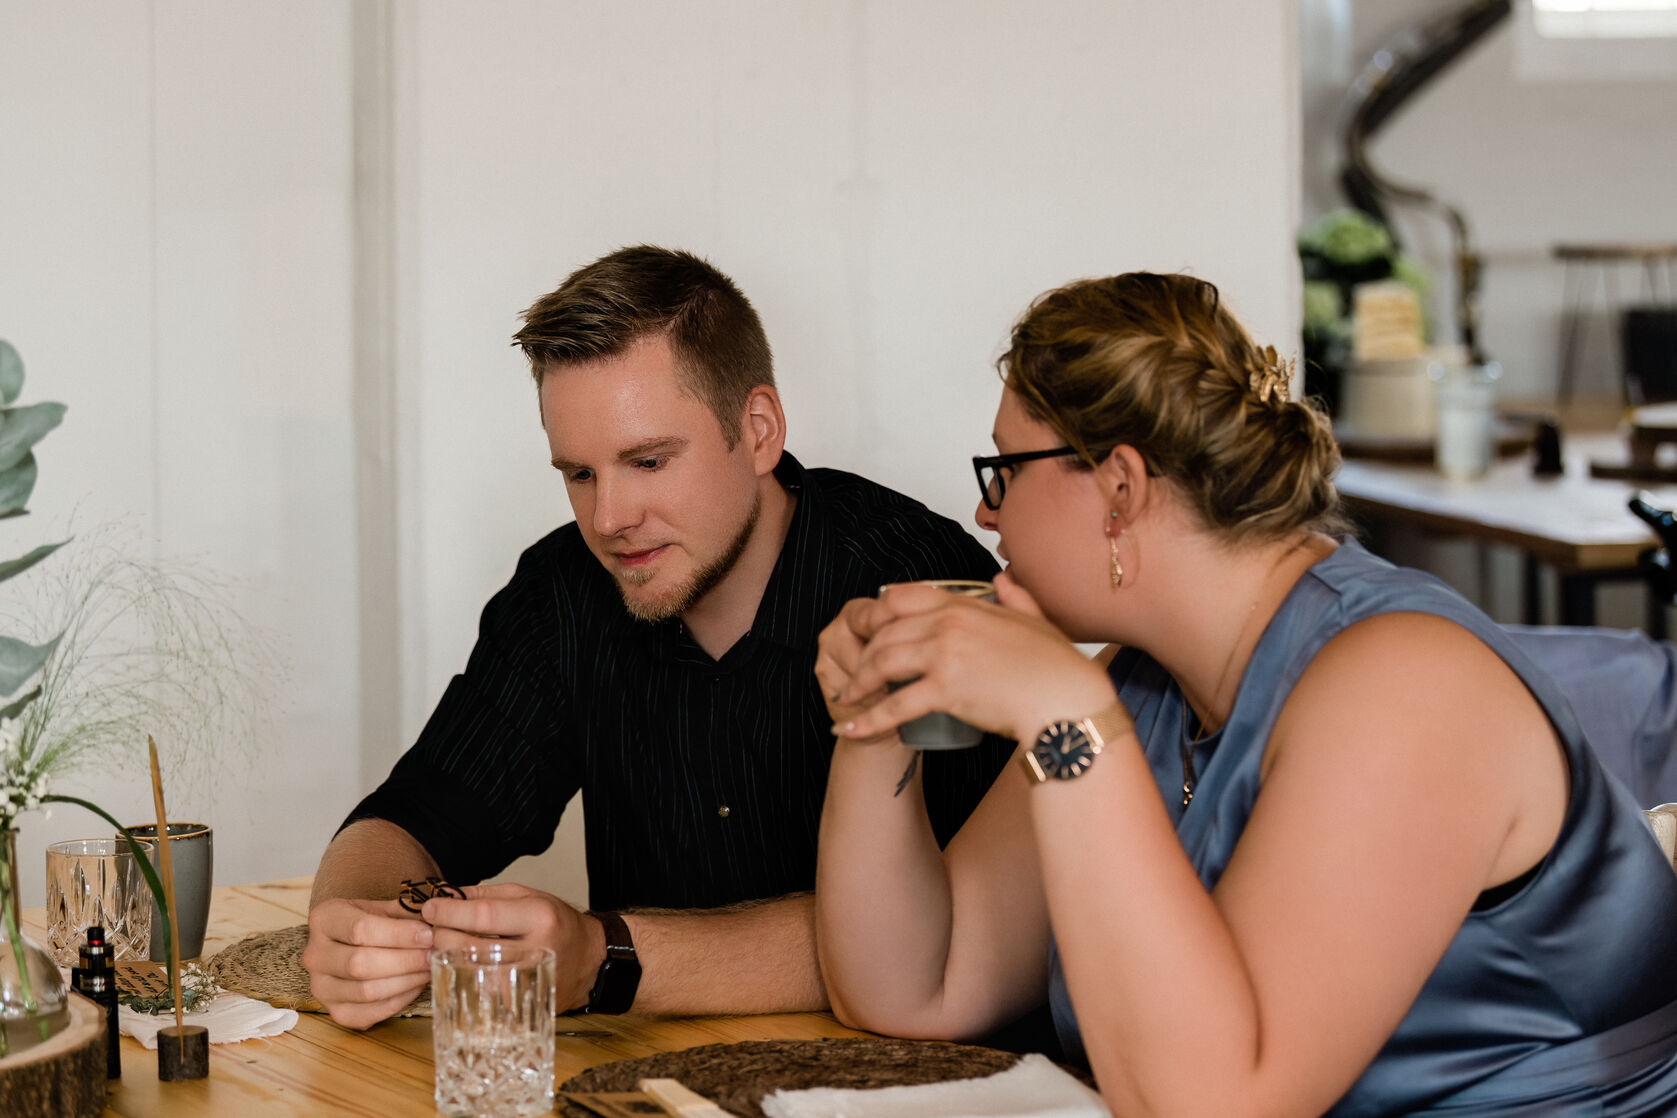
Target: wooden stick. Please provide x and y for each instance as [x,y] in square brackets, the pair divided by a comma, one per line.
[679,1101]
[168,880]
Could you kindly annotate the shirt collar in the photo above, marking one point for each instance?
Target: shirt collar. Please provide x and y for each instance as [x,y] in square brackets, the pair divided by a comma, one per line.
[793,610]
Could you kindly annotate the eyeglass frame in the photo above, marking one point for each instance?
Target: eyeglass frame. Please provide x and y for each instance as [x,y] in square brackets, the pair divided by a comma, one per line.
[999,462]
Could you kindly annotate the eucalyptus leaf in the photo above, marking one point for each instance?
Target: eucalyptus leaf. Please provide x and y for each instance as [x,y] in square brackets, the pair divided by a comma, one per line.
[22,428]
[15,708]
[19,661]
[10,567]
[11,372]
[16,484]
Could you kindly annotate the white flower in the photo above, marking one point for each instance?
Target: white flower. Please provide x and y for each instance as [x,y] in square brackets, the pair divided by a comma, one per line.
[22,786]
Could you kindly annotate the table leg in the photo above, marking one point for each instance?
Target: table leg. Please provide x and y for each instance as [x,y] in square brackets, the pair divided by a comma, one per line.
[1576,282]
[1531,590]
[1577,599]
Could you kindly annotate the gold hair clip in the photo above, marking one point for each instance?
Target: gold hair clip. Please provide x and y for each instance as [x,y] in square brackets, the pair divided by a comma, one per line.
[1273,379]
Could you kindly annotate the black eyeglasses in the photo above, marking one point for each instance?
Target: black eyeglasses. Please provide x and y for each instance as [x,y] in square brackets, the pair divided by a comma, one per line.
[989,471]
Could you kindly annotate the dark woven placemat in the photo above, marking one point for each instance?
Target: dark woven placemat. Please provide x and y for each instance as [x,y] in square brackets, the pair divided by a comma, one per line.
[737,1076]
[268,966]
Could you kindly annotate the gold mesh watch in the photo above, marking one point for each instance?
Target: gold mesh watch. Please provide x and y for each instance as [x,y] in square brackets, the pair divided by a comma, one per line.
[1064,749]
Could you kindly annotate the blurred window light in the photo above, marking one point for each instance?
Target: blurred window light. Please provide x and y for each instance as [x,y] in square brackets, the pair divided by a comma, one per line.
[1605,19]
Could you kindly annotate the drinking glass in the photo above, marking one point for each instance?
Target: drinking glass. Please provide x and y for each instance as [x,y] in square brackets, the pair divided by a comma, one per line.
[97,881]
[1466,399]
[492,1030]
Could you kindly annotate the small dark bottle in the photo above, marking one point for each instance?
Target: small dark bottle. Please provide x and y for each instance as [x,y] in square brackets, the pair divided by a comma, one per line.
[95,977]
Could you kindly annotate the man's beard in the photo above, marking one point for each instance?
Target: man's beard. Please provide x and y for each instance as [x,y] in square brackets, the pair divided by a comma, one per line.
[704,580]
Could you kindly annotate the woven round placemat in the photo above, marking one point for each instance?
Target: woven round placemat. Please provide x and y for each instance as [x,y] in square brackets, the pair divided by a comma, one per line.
[268,966]
[737,1076]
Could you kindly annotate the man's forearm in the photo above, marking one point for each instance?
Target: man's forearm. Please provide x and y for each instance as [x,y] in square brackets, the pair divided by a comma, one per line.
[369,859]
[757,958]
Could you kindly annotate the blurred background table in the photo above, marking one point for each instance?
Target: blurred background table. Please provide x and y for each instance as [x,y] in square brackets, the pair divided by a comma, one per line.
[321,1068]
[1576,525]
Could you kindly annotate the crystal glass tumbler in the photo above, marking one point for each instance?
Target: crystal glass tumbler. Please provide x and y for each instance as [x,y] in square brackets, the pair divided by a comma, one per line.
[97,881]
[493,1030]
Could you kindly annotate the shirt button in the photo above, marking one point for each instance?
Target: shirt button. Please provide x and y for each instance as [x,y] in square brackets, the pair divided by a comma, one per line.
[723,811]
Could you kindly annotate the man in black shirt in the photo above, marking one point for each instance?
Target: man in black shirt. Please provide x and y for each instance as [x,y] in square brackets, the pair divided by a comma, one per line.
[657,656]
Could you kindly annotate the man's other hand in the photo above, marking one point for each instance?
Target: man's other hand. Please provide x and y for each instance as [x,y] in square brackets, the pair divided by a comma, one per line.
[366,959]
[517,912]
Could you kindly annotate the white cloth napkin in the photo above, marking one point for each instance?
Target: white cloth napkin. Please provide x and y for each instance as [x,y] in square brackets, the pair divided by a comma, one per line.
[230,1018]
[1032,1088]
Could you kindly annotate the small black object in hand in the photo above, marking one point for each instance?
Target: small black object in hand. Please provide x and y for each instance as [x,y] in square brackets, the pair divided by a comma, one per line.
[414,894]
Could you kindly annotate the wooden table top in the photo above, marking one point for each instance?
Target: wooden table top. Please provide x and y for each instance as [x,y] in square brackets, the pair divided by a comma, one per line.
[320,1068]
[1575,523]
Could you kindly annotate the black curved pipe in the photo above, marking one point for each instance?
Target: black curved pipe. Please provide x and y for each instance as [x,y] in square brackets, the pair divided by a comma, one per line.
[1395,73]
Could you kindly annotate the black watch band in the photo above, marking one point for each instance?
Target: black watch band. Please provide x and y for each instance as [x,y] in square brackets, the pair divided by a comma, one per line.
[620,974]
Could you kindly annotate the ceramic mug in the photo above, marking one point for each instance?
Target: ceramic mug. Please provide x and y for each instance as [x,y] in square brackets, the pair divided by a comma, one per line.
[192,857]
[939,730]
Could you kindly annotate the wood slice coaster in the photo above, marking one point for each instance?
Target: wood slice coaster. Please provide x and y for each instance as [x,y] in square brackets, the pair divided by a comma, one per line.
[737,1076]
[63,1077]
[268,966]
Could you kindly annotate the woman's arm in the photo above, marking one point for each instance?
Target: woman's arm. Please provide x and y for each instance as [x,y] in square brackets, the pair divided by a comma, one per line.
[914,941]
[1410,769]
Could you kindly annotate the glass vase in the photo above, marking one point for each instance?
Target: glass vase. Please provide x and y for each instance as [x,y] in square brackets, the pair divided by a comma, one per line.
[33,1004]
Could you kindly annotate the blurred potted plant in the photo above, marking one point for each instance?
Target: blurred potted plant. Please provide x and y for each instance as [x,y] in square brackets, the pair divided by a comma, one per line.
[1342,249]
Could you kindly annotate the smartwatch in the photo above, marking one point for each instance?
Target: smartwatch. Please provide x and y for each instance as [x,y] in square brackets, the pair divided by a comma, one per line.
[620,975]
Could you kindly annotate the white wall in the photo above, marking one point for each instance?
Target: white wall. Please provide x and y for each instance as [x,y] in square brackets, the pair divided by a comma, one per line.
[1533,153]
[890,183]
[174,265]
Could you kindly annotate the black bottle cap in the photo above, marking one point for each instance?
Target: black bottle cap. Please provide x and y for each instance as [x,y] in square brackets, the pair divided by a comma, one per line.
[96,952]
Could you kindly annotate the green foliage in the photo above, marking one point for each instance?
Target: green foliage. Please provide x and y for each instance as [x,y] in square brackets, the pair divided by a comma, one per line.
[16,484]
[11,373]
[20,429]
[11,567]
[1323,304]
[19,662]
[1347,238]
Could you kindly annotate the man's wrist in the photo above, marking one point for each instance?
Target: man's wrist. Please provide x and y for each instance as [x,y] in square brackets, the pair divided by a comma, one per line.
[617,980]
[590,954]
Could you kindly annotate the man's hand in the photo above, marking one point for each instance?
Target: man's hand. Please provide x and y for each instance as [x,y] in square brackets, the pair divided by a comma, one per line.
[366,959]
[516,912]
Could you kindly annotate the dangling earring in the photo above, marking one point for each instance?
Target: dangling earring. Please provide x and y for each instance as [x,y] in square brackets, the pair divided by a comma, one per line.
[1117,568]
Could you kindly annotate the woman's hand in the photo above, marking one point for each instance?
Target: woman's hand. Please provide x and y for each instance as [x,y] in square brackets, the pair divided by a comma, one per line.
[838,653]
[1002,667]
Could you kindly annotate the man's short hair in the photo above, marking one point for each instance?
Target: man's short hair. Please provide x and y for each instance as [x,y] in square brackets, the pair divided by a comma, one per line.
[603,308]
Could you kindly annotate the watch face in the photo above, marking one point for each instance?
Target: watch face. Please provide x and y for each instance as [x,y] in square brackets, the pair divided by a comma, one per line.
[1064,751]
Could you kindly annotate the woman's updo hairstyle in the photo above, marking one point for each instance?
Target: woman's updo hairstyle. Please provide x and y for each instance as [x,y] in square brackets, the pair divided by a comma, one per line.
[1156,363]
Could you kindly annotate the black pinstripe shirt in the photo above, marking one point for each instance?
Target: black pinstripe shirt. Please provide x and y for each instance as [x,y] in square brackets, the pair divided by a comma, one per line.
[703,779]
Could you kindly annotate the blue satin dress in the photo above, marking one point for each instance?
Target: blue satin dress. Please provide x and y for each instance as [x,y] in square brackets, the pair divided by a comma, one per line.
[1559,999]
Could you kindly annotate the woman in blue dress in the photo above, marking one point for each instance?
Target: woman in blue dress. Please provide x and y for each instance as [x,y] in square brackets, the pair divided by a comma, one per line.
[1319,838]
